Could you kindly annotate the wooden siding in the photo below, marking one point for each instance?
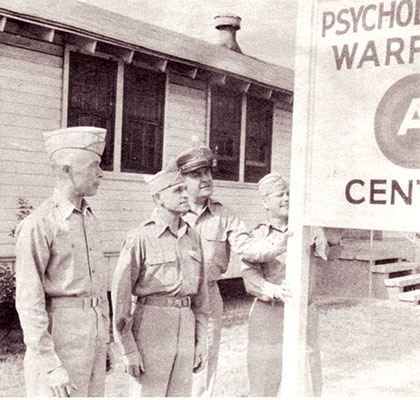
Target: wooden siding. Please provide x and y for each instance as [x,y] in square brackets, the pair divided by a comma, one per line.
[30,103]
[185,117]
[104,25]
[282,137]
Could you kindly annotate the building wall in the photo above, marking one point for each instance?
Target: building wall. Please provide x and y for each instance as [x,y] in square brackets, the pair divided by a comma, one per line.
[30,103]
[282,140]
[31,99]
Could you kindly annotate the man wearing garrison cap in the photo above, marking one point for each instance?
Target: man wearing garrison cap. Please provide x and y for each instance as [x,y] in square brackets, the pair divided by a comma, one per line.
[60,275]
[163,336]
[266,282]
[220,232]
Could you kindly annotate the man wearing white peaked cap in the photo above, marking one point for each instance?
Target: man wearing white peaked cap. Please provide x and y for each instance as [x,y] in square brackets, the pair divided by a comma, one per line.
[61,275]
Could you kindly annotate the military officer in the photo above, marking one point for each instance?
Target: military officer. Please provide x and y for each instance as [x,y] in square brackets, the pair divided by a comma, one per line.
[163,339]
[220,231]
[60,275]
[266,282]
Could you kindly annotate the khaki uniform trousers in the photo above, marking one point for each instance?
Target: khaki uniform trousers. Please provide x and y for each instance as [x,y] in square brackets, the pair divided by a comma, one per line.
[165,337]
[203,382]
[265,342]
[78,335]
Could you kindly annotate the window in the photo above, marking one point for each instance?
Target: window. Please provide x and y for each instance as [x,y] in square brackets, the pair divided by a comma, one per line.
[225,132]
[91,102]
[259,129]
[142,130]
[242,146]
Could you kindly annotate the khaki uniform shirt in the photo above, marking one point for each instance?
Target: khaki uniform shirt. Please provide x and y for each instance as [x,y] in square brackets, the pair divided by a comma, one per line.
[58,254]
[155,261]
[221,230]
[262,279]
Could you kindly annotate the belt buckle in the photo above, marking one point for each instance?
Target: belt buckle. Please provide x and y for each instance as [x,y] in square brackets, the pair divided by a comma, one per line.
[178,303]
[95,301]
[90,302]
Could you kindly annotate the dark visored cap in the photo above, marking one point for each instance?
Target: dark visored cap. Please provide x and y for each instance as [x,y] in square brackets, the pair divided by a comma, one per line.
[195,158]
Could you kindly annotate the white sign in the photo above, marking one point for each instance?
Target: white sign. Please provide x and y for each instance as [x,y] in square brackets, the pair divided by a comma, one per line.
[359,98]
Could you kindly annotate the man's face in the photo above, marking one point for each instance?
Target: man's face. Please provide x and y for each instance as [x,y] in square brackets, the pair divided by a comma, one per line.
[175,198]
[199,183]
[277,203]
[85,173]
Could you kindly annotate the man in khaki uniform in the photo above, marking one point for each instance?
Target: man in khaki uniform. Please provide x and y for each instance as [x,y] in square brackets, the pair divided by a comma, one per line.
[60,275]
[266,282]
[220,231]
[163,338]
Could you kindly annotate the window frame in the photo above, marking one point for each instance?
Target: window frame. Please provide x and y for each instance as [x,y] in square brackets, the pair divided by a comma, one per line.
[242,144]
[116,173]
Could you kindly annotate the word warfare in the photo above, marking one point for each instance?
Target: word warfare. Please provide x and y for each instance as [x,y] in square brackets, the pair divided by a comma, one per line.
[367,18]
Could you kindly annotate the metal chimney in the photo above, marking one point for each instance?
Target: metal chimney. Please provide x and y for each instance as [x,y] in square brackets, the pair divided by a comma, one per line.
[227,26]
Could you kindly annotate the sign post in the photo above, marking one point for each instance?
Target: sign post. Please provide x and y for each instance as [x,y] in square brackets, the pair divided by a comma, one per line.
[356,136]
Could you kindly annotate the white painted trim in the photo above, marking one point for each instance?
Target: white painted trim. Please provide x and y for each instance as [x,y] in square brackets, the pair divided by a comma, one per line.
[242,142]
[127,55]
[83,43]
[3,21]
[208,115]
[193,73]
[65,90]
[119,95]
[165,122]
[161,65]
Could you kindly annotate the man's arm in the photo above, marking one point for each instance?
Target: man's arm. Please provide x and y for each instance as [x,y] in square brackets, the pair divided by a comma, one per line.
[32,256]
[200,308]
[124,279]
[258,286]
[249,248]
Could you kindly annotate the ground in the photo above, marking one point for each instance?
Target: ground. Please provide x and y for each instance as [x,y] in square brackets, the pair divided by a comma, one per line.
[369,348]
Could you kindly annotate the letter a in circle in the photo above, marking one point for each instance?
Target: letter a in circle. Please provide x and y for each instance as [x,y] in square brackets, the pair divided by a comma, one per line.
[411,119]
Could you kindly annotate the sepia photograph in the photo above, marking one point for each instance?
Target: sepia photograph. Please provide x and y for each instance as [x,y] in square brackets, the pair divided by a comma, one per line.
[210,198]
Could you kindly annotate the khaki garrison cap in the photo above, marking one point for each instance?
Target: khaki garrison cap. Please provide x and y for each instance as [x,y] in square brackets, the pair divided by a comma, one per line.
[80,137]
[195,158]
[169,176]
[271,183]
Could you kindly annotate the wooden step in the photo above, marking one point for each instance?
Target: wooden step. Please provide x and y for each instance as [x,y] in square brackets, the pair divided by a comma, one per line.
[403,281]
[394,267]
[411,296]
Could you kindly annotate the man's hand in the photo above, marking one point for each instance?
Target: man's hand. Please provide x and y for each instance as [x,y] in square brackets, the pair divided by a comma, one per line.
[282,292]
[200,357]
[60,383]
[110,359]
[133,364]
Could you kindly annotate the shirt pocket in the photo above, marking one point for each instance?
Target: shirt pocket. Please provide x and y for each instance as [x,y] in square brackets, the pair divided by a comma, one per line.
[161,267]
[215,248]
[192,271]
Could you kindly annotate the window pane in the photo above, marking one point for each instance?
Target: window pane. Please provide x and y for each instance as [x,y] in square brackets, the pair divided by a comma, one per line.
[259,130]
[92,88]
[225,132]
[142,131]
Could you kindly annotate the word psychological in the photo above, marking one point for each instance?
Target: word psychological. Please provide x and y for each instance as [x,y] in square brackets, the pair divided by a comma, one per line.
[367,18]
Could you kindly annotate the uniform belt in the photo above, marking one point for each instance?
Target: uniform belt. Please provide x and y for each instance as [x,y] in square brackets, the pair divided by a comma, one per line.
[73,302]
[166,301]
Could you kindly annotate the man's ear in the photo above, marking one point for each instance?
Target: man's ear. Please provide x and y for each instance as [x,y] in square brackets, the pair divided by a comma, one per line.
[157,199]
[66,169]
[264,201]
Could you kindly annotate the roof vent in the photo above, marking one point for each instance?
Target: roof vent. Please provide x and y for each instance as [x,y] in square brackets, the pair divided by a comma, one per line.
[227,26]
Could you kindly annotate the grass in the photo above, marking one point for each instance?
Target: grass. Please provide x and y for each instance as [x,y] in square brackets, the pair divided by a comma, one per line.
[368,348]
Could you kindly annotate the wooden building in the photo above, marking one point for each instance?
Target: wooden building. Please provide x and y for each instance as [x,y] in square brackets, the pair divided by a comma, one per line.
[65,63]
